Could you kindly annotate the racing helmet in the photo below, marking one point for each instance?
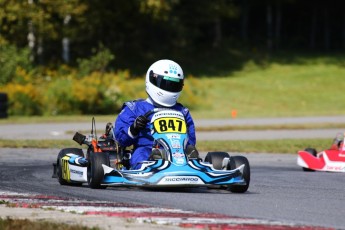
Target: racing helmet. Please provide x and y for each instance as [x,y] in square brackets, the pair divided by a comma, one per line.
[164,82]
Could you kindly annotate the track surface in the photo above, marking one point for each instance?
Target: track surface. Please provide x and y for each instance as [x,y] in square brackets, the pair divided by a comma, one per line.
[279,190]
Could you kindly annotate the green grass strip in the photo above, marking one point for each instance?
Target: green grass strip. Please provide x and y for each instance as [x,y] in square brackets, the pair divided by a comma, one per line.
[274,127]
[18,224]
[264,146]
[244,146]
[6,143]
[250,127]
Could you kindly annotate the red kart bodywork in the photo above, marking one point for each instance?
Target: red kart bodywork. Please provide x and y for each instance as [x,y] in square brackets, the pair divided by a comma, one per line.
[330,160]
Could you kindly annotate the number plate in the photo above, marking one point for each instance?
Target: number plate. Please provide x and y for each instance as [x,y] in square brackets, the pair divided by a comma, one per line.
[170,125]
[169,122]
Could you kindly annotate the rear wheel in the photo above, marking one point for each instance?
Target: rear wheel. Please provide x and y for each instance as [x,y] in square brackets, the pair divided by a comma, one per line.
[235,162]
[216,159]
[61,170]
[95,172]
[313,152]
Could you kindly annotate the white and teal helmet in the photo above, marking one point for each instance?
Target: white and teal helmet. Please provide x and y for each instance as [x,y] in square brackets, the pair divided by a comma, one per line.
[164,82]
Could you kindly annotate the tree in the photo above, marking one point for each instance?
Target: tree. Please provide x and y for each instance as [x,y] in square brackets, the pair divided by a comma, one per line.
[33,23]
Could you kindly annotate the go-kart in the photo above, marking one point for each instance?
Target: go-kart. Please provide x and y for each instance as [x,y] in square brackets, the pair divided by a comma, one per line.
[330,160]
[107,163]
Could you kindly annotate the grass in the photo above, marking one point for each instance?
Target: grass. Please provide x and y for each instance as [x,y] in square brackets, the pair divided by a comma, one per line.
[18,224]
[6,143]
[249,127]
[274,127]
[264,146]
[312,88]
[244,146]
[56,119]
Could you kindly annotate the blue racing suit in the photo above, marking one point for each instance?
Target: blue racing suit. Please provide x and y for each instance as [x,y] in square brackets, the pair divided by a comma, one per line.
[143,143]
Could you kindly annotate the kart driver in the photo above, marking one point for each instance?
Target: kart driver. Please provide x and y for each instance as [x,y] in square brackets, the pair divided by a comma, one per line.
[337,141]
[164,83]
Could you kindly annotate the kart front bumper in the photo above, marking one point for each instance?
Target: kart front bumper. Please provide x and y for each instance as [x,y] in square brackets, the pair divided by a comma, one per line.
[162,173]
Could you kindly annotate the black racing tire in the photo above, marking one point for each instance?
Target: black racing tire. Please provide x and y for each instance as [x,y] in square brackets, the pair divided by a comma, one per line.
[3,97]
[61,154]
[95,172]
[313,152]
[216,159]
[3,107]
[236,161]
[3,115]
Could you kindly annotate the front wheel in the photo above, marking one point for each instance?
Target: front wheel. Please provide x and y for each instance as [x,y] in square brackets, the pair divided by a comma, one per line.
[235,162]
[313,152]
[95,173]
[62,165]
[216,159]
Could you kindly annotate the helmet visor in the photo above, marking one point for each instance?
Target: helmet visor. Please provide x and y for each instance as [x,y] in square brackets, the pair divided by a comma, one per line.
[166,83]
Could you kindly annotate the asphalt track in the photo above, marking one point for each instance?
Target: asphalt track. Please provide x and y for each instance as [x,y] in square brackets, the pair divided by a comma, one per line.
[279,191]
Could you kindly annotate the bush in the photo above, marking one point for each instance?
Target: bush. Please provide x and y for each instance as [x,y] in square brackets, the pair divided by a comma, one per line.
[96,93]
[192,95]
[10,59]
[98,62]
[87,90]
[24,99]
[58,98]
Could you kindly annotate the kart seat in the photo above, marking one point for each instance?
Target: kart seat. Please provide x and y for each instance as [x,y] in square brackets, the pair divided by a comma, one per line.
[157,154]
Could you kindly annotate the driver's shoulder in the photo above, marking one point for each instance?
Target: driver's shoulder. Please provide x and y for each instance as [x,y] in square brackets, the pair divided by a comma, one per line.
[182,108]
[133,103]
[138,104]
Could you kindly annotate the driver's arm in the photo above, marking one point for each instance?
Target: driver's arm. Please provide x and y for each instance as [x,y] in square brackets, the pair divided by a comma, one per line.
[122,127]
[191,129]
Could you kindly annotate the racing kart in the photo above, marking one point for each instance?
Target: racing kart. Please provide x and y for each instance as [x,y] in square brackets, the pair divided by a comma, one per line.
[330,160]
[107,163]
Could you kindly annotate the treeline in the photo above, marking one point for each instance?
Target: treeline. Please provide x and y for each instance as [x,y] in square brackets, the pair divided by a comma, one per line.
[139,31]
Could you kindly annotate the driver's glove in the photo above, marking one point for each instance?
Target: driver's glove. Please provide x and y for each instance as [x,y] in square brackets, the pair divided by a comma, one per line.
[139,124]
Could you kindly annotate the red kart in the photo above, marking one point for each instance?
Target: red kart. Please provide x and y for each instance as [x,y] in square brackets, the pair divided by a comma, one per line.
[330,160]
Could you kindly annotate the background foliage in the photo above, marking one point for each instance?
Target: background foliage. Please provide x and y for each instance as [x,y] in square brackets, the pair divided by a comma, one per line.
[88,56]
